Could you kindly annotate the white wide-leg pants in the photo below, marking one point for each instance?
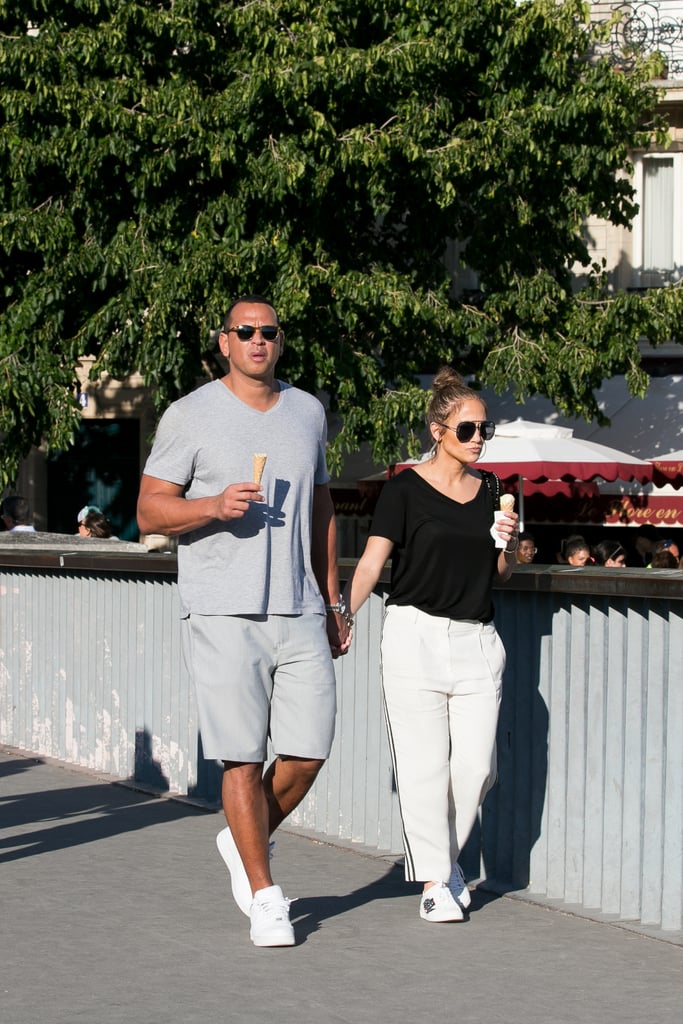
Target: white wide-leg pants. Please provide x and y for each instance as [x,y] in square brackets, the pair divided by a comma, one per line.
[442,683]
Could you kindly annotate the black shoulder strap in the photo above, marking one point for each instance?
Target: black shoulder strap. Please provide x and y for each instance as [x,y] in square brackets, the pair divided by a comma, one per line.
[493,484]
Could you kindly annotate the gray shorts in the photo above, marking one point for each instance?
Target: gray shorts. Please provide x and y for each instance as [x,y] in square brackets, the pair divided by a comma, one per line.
[261,676]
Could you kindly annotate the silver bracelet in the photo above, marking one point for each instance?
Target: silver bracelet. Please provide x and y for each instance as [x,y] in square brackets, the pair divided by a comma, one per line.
[341,609]
[511,551]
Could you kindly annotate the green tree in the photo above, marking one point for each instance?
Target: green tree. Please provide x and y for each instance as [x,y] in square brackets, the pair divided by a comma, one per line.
[160,158]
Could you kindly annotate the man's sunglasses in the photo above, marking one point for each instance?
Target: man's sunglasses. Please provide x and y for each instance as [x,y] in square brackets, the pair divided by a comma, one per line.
[466,430]
[245,332]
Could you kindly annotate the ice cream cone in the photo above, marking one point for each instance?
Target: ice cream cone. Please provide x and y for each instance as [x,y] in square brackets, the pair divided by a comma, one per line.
[507,503]
[259,466]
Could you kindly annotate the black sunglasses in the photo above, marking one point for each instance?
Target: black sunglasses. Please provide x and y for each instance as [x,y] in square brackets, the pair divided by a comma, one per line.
[245,332]
[466,430]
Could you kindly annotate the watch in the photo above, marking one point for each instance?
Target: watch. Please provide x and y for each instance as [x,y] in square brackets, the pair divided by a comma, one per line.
[341,609]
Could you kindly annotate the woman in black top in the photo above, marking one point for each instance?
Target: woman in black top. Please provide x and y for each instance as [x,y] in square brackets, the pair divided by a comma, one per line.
[442,659]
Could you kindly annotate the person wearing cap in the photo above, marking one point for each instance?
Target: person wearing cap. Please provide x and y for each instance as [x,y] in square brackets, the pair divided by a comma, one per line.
[667,545]
[92,522]
[666,555]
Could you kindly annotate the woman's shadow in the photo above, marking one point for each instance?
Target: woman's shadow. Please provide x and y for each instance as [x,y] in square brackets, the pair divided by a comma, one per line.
[512,814]
[309,913]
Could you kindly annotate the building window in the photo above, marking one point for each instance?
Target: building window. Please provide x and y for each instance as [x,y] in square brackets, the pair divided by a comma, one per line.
[658,227]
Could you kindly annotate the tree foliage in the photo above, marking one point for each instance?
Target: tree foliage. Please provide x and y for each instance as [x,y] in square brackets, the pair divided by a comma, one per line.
[160,158]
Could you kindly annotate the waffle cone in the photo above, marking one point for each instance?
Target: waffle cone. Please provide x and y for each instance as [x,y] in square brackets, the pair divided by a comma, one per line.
[259,466]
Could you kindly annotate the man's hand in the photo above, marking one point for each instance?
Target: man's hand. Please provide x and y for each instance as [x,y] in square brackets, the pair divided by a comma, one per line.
[163,507]
[338,634]
[234,501]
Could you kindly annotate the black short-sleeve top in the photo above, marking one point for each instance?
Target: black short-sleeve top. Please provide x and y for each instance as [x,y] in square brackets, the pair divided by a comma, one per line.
[444,558]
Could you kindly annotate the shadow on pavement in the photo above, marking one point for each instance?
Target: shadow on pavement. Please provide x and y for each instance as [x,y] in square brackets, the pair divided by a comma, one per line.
[79,813]
[18,766]
[309,912]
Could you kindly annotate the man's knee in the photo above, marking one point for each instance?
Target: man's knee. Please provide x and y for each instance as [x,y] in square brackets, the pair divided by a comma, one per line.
[242,772]
[303,767]
[313,764]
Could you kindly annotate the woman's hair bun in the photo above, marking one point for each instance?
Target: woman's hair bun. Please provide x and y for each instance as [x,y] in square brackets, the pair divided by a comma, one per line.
[447,377]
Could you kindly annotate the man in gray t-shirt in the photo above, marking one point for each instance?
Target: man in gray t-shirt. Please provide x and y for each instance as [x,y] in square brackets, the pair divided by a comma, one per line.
[259,590]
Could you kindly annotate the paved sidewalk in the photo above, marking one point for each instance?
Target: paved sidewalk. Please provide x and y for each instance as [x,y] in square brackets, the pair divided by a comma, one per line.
[116,907]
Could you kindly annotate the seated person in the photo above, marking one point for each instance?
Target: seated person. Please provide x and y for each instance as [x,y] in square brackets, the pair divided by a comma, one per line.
[646,538]
[667,545]
[526,548]
[664,559]
[609,553]
[93,523]
[16,515]
[575,550]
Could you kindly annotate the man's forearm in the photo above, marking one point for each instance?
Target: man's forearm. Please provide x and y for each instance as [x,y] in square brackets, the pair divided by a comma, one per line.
[324,545]
[173,516]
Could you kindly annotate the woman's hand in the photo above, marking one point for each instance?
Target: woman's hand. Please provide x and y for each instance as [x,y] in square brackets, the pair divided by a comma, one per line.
[507,528]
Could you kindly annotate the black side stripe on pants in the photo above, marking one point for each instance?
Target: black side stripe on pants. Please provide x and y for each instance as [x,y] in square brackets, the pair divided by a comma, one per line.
[410,865]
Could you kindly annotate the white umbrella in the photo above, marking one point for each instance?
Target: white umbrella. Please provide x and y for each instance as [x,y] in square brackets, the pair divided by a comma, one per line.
[542,452]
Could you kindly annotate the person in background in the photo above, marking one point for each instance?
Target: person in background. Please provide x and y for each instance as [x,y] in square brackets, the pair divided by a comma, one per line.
[442,658]
[575,550]
[609,553]
[93,523]
[526,552]
[667,545]
[663,559]
[86,510]
[646,538]
[16,515]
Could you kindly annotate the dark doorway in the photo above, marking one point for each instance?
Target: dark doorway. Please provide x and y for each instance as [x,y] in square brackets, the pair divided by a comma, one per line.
[102,468]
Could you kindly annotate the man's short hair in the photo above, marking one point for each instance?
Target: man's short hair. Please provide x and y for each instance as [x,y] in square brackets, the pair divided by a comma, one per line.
[258,300]
[17,509]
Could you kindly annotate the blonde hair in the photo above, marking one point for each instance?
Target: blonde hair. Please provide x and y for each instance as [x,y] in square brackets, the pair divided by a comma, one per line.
[449,393]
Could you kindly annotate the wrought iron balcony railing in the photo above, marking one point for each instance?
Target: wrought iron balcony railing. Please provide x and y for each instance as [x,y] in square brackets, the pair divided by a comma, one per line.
[645,28]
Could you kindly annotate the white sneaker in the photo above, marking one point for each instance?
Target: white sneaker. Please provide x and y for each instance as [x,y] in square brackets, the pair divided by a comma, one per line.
[437,904]
[458,887]
[241,889]
[270,924]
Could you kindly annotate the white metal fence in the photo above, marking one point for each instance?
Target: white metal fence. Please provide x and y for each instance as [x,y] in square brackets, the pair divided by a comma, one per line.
[589,804]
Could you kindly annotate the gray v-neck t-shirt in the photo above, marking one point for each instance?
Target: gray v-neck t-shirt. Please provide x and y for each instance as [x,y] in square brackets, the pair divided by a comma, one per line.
[259,564]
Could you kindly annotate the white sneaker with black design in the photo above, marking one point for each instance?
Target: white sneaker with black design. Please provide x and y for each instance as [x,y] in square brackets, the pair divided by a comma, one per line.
[458,887]
[270,924]
[437,904]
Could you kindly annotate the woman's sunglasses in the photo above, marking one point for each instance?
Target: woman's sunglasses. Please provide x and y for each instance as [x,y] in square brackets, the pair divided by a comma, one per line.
[466,430]
[245,332]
